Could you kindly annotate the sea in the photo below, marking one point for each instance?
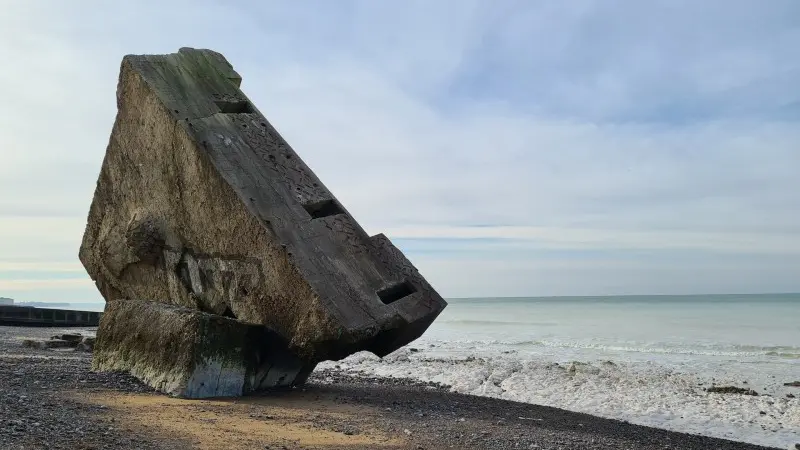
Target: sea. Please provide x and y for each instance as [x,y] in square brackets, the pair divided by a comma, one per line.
[644,359]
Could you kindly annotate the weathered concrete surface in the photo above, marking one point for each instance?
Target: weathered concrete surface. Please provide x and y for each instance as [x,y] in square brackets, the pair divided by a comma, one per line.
[188,353]
[200,203]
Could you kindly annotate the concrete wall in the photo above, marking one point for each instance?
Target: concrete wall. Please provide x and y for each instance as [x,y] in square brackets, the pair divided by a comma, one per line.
[25,315]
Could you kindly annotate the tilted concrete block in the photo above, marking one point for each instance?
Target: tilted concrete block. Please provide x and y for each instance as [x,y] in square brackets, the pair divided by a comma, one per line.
[188,353]
[200,203]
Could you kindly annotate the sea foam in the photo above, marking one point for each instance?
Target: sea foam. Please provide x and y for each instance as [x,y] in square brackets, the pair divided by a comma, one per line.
[664,394]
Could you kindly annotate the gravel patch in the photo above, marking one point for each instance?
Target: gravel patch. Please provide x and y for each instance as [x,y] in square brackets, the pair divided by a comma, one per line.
[40,391]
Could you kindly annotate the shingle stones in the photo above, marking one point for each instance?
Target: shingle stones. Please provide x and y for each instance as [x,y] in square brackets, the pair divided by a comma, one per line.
[206,225]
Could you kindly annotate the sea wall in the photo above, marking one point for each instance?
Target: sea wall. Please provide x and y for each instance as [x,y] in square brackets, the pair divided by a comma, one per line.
[29,316]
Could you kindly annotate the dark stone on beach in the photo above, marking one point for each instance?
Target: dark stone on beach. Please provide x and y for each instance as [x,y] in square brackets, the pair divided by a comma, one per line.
[790,396]
[75,341]
[64,341]
[59,343]
[69,337]
[731,390]
[792,384]
[86,344]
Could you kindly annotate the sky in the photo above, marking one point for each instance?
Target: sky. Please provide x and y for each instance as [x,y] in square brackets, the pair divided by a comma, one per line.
[509,148]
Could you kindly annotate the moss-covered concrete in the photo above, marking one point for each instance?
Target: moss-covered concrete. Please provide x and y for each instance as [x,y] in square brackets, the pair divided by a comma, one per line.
[187,353]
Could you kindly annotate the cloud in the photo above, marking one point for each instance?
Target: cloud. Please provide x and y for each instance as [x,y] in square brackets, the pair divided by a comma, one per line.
[17,266]
[542,238]
[38,285]
[671,61]
[596,126]
[471,276]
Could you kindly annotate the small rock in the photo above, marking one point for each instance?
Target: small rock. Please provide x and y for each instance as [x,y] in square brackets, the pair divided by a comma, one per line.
[792,384]
[58,343]
[32,343]
[731,390]
[71,337]
[407,432]
[86,344]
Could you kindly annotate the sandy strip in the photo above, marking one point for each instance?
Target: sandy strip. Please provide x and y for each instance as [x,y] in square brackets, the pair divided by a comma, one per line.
[302,421]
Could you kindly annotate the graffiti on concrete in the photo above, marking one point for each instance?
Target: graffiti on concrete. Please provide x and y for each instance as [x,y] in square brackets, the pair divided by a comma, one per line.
[217,281]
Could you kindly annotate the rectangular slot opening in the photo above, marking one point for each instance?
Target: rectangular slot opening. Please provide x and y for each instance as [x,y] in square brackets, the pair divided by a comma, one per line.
[234,107]
[324,208]
[396,292]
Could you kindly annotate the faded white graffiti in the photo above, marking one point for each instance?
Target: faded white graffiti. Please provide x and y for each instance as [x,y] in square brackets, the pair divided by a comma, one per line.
[216,281]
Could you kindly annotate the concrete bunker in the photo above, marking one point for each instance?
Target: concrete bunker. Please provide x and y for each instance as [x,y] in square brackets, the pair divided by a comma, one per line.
[226,264]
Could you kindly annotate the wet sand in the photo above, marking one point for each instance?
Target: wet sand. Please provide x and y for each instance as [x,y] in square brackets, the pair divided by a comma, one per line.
[50,399]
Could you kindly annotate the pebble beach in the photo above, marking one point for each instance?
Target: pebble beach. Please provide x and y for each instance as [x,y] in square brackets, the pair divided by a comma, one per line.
[52,400]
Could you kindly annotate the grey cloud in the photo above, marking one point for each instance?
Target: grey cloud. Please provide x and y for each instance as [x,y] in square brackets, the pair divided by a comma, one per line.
[634,61]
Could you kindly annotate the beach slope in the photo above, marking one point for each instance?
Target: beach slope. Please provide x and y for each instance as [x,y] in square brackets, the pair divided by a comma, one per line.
[52,400]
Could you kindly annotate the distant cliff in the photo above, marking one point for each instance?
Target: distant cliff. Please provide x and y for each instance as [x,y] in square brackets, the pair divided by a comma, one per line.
[6,301]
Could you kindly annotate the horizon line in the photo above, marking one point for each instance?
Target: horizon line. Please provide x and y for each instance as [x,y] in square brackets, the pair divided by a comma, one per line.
[625,295]
[507,297]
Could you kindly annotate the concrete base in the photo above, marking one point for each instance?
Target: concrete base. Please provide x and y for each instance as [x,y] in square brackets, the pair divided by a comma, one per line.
[191,354]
